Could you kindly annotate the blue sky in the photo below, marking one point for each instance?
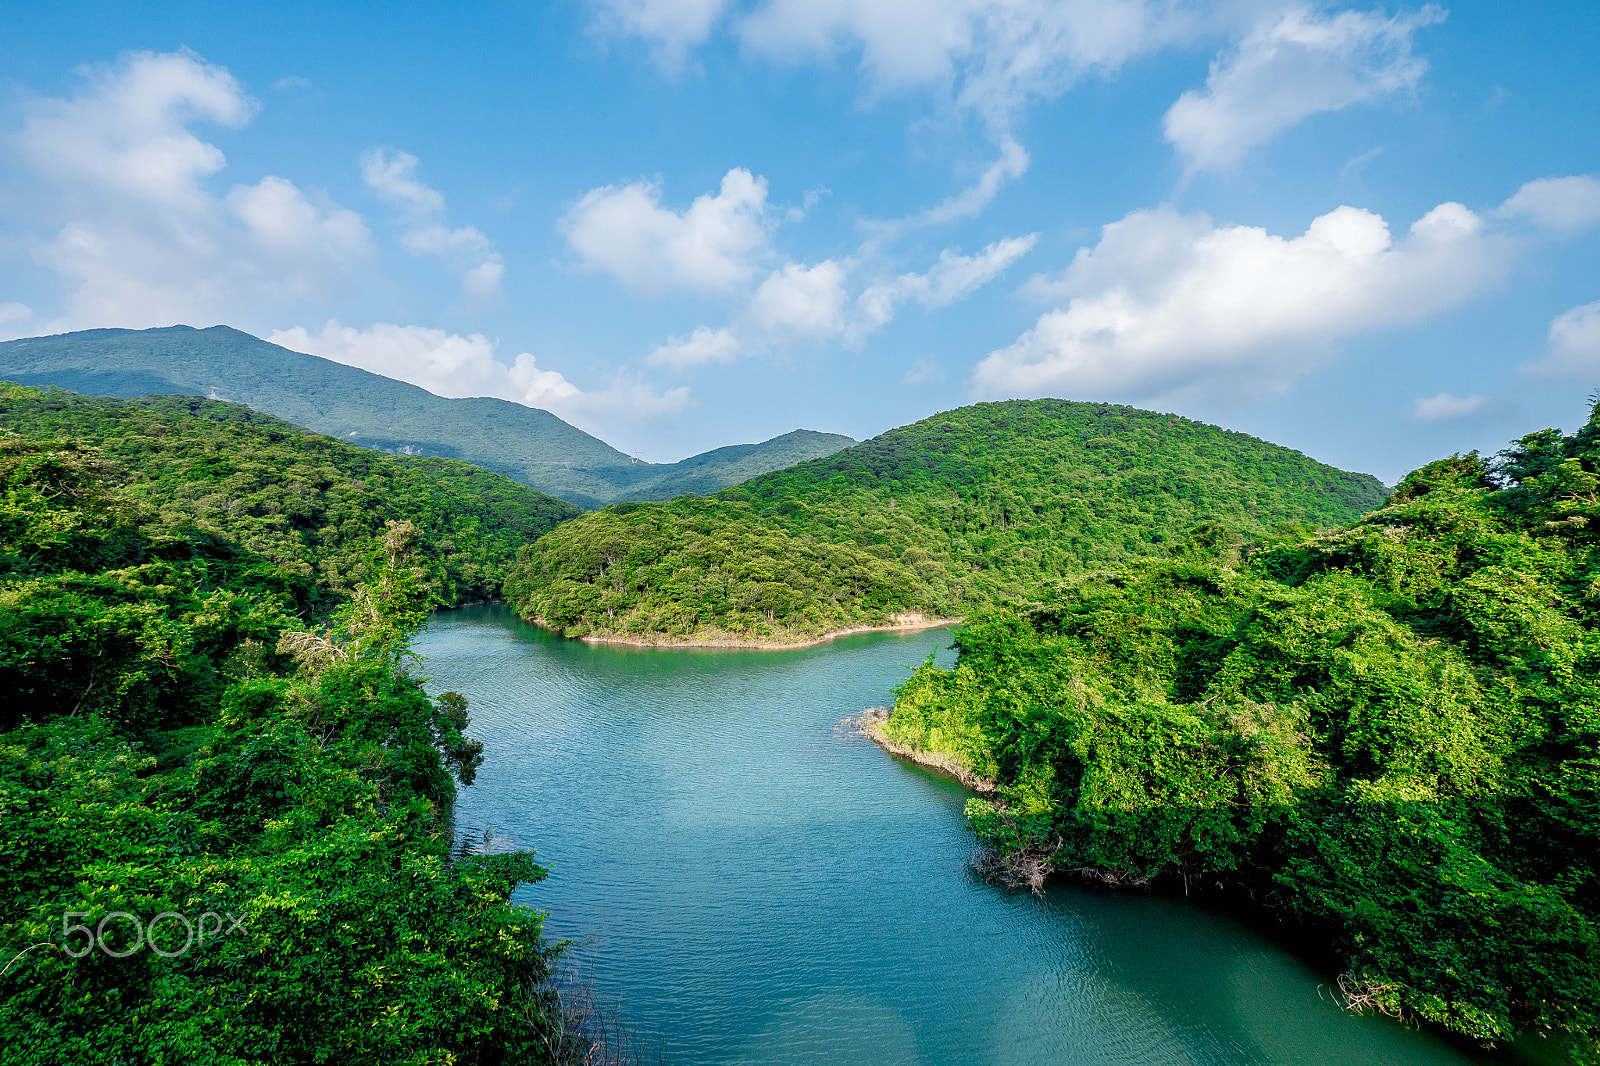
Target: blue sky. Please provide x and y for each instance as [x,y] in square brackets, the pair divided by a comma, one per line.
[1369,233]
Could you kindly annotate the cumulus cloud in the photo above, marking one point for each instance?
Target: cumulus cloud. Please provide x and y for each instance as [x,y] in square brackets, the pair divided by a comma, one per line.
[715,244]
[1573,353]
[704,345]
[671,26]
[1445,406]
[952,278]
[812,302]
[449,364]
[465,248]
[1169,303]
[1300,64]
[142,240]
[990,56]
[801,301]
[983,58]
[1561,204]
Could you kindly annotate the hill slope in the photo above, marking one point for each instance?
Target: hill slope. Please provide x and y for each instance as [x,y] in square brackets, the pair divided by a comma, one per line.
[964,508]
[306,504]
[180,735]
[530,445]
[1389,735]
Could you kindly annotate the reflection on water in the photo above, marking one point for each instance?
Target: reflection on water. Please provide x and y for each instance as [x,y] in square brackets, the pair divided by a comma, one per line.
[755,886]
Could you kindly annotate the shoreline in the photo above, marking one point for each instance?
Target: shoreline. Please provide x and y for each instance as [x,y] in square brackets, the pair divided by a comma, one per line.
[870,723]
[909,625]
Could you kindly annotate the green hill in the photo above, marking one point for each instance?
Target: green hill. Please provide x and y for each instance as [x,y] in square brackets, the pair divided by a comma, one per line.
[965,508]
[710,471]
[307,505]
[206,710]
[1388,735]
[532,446]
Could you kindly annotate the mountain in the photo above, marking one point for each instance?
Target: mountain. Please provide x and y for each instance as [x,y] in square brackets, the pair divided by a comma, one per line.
[532,446]
[969,507]
[1386,736]
[305,505]
[207,708]
[713,470]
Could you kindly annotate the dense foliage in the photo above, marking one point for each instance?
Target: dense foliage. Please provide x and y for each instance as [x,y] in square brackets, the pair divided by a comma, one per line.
[307,504]
[962,509]
[1389,733]
[532,446]
[176,740]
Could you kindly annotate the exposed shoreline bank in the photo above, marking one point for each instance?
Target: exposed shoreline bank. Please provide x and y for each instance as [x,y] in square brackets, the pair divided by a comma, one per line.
[870,723]
[909,624]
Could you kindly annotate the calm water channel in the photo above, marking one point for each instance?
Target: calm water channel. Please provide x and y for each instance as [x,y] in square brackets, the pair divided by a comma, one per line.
[755,886]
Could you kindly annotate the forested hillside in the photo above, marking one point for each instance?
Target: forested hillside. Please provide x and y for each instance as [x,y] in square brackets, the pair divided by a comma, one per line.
[225,802]
[710,471]
[961,509]
[1389,735]
[305,504]
[527,444]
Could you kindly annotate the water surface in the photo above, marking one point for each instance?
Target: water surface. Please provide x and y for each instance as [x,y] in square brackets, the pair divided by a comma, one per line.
[757,886]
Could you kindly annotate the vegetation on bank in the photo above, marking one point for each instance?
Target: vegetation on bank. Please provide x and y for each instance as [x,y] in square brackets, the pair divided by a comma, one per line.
[1388,734]
[966,508]
[224,800]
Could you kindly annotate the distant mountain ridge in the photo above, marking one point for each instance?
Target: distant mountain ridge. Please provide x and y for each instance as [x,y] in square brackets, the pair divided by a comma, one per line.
[530,445]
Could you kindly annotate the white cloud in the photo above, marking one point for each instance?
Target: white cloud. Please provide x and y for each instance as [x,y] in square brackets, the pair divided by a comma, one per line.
[1574,346]
[449,364]
[704,345]
[142,240]
[952,278]
[983,58]
[1444,406]
[1562,204]
[1169,303]
[714,245]
[801,301]
[1012,163]
[465,248]
[1300,65]
[991,56]
[671,26]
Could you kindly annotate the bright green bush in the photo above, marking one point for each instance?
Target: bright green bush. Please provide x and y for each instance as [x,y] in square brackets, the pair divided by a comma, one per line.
[195,723]
[1389,733]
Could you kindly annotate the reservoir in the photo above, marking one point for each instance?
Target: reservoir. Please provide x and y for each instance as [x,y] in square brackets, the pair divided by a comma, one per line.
[751,883]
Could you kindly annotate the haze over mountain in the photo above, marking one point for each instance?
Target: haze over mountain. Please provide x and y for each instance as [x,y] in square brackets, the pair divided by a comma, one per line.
[526,443]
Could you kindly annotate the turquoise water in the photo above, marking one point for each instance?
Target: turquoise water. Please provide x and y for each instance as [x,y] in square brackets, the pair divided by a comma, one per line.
[754,885]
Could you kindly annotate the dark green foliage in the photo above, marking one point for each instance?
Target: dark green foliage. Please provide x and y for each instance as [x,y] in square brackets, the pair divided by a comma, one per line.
[532,446]
[1390,733]
[201,472]
[174,738]
[966,508]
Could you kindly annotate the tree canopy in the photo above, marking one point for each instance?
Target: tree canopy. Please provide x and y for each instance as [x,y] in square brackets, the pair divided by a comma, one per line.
[937,518]
[1388,733]
[225,798]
